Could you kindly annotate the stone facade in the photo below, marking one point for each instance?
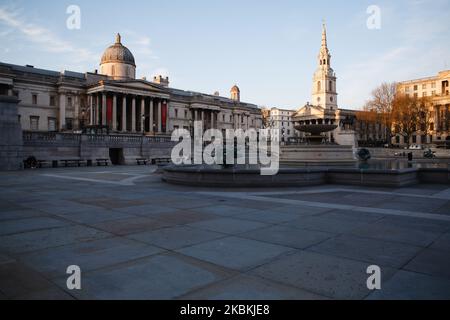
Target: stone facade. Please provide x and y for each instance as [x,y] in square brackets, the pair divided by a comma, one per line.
[70,101]
[438,89]
[10,134]
[282,119]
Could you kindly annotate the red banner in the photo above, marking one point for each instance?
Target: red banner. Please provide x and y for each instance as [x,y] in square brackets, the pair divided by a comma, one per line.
[109,110]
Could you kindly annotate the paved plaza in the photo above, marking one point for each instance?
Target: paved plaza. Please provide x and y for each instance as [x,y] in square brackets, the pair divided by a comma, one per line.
[135,237]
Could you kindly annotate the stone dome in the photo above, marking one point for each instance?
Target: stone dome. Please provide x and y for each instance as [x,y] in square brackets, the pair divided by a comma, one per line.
[118,53]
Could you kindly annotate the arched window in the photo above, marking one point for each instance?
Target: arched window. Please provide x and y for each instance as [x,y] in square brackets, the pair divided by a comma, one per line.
[331,86]
[319,86]
[113,70]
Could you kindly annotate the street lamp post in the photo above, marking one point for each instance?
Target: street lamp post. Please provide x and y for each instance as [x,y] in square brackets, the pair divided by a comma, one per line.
[143,124]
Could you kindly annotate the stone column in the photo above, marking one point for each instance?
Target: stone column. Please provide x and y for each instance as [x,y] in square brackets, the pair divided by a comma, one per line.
[114,113]
[91,109]
[104,109]
[151,127]
[97,109]
[133,114]
[62,111]
[167,115]
[142,114]
[159,116]
[76,118]
[124,114]
[212,119]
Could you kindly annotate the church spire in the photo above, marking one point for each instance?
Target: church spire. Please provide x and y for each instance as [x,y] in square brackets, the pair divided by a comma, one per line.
[324,54]
[324,35]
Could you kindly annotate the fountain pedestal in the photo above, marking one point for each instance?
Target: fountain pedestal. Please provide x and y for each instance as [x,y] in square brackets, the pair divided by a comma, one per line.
[317,151]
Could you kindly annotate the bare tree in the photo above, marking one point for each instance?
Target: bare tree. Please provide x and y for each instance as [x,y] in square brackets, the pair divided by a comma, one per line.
[411,115]
[381,101]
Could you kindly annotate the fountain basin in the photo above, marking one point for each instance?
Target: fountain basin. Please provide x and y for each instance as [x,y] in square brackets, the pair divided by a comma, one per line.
[203,176]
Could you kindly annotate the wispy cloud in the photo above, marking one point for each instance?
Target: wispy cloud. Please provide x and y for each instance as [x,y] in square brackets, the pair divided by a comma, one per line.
[44,38]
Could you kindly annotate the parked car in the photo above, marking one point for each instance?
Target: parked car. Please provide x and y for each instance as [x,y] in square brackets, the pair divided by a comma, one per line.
[415,147]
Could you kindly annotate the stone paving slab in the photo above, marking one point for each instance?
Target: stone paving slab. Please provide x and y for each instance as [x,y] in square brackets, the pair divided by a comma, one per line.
[442,243]
[167,242]
[17,280]
[42,239]
[325,224]
[245,287]
[20,214]
[235,253]
[300,210]
[388,232]
[267,216]
[93,216]
[332,277]
[288,236]
[432,262]
[157,277]
[176,237]
[228,225]
[30,224]
[88,256]
[406,285]
[224,210]
[181,217]
[127,226]
[378,252]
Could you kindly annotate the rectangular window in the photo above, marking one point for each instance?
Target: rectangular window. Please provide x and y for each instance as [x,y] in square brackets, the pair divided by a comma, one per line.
[69,101]
[433,93]
[52,101]
[415,95]
[51,124]
[424,94]
[185,114]
[415,87]
[34,98]
[34,123]
[433,85]
[424,86]
[223,118]
[406,89]
[176,114]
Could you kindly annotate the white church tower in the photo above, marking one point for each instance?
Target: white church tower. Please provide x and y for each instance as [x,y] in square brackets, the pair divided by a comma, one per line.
[324,84]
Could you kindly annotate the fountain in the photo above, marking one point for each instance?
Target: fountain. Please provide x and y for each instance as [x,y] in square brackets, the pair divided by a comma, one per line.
[318,150]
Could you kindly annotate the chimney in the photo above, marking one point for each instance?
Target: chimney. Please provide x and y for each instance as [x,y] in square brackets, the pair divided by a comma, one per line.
[159,79]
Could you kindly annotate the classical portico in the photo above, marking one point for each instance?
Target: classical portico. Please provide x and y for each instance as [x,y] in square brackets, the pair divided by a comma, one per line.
[133,106]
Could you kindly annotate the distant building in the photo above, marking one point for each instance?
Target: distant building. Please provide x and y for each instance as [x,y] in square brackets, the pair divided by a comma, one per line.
[282,119]
[114,98]
[437,89]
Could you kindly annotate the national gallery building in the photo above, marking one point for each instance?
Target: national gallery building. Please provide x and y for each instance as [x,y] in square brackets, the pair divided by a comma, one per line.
[114,99]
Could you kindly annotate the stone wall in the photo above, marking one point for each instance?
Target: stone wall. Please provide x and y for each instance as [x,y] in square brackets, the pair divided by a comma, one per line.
[10,135]
[58,146]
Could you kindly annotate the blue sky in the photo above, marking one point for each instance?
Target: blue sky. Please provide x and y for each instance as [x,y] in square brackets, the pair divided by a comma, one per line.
[268,48]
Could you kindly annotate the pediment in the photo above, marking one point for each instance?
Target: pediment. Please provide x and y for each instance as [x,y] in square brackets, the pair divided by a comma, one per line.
[138,85]
[310,110]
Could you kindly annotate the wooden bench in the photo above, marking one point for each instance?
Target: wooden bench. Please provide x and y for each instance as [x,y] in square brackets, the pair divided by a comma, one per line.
[142,161]
[159,160]
[42,163]
[102,162]
[77,162]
